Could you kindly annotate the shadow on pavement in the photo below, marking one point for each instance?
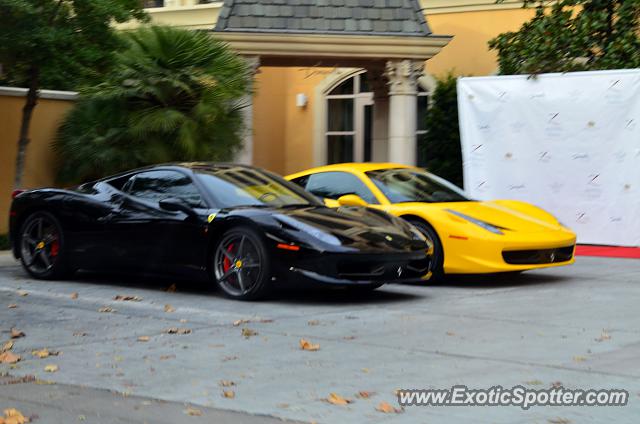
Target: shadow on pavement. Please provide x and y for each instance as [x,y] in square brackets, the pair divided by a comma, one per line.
[498,281]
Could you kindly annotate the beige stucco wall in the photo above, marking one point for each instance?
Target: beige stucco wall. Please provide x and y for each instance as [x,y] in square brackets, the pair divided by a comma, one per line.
[40,160]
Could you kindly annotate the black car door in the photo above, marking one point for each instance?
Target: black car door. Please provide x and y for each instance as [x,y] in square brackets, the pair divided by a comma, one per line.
[152,238]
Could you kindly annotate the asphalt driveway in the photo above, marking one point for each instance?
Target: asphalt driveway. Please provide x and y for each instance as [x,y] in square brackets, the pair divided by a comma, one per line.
[578,326]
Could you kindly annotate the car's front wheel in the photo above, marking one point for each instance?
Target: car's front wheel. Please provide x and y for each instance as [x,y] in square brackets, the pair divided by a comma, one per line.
[437,260]
[241,266]
[42,246]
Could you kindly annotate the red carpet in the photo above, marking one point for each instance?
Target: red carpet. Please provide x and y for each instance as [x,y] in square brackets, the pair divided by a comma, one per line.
[608,251]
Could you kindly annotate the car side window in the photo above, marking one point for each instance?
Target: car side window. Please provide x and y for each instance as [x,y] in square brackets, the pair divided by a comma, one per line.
[157,185]
[332,185]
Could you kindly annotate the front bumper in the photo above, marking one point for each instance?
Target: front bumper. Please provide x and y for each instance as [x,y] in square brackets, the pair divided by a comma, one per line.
[350,269]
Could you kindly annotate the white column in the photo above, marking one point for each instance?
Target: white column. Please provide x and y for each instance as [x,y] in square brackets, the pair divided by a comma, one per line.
[245,155]
[403,90]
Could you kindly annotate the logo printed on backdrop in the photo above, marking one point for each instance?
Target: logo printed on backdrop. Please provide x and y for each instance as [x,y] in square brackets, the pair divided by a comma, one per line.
[630,125]
[554,127]
[593,180]
[614,92]
[516,187]
[580,156]
[582,218]
[544,157]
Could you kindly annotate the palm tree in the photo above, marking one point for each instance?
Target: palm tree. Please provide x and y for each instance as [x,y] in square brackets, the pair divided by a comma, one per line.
[173,95]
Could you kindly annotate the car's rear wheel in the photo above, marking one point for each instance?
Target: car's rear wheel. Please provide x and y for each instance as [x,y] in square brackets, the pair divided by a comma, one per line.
[42,246]
[437,260]
[241,266]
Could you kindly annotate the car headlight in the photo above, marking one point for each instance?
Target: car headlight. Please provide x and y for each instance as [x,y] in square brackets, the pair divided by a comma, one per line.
[417,235]
[485,225]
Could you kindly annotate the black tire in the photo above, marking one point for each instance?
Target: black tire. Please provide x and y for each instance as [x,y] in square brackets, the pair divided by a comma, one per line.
[42,247]
[240,264]
[437,262]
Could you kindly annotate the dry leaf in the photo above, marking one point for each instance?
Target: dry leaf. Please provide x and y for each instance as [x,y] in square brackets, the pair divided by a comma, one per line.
[307,345]
[127,298]
[349,338]
[579,359]
[193,412]
[171,288]
[165,357]
[533,382]
[79,334]
[226,383]
[16,334]
[240,321]
[105,309]
[229,394]
[169,308]
[313,322]
[9,358]
[604,336]
[176,330]
[363,394]
[247,332]
[558,421]
[337,399]
[265,320]
[387,408]
[7,346]
[450,333]
[13,416]
[22,293]
[229,358]
[74,295]
[12,306]
[51,368]
[44,353]
[143,338]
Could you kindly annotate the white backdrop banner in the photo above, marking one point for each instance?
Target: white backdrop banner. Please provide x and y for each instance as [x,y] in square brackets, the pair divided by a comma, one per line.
[569,143]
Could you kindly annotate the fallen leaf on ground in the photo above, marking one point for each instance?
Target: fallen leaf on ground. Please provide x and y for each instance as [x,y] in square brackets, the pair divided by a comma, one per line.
[450,333]
[9,358]
[229,358]
[363,394]
[127,298]
[22,293]
[349,338]
[336,399]
[16,334]
[533,382]
[604,336]
[307,345]
[387,408]
[143,338]
[193,412]
[13,416]
[556,384]
[105,309]
[226,383]
[79,334]
[240,321]
[558,421]
[44,353]
[12,306]
[265,320]
[176,330]
[169,308]
[579,359]
[74,295]
[51,368]
[365,370]
[229,394]
[171,288]
[313,322]
[247,332]
[7,346]
[165,357]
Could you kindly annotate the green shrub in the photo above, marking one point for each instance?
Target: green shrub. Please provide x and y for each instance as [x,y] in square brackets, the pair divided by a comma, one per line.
[4,242]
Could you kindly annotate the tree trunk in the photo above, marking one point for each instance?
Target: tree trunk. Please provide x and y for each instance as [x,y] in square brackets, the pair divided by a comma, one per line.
[27,113]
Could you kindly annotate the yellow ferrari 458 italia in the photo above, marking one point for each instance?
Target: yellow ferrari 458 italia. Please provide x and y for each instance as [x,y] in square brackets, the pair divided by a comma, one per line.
[469,236]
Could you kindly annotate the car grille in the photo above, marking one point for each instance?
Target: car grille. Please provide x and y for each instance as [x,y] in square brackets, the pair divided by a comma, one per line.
[376,270]
[539,256]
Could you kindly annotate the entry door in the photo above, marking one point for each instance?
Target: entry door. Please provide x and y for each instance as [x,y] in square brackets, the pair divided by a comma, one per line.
[350,121]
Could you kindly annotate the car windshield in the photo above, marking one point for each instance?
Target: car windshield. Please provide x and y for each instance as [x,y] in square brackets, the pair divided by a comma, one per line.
[238,186]
[402,185]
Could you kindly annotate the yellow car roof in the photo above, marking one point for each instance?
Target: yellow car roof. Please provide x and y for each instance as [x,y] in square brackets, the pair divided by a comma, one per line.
[353,166]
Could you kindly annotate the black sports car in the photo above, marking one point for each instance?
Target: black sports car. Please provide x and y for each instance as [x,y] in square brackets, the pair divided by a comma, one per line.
[242,227]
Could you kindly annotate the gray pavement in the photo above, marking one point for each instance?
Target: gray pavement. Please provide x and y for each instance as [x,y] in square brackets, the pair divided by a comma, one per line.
[577,325]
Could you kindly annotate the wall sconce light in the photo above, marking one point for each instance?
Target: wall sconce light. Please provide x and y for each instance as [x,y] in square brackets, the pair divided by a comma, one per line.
[301,100]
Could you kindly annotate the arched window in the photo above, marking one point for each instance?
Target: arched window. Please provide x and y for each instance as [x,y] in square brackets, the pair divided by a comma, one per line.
[350,120]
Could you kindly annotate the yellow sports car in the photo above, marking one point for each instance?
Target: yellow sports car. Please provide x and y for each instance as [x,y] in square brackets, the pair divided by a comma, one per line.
[469,236]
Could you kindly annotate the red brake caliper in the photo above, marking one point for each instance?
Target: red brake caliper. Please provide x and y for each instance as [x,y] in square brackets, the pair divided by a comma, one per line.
[226,263]
[55,248]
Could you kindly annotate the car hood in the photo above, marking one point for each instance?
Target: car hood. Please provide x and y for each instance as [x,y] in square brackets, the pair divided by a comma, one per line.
[352,228]
[502,215]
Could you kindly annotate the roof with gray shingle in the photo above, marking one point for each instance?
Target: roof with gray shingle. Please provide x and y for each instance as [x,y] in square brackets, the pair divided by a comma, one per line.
[353,17]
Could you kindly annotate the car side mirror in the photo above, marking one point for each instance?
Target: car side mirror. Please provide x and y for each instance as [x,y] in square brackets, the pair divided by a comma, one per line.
[173,204]
[351,200]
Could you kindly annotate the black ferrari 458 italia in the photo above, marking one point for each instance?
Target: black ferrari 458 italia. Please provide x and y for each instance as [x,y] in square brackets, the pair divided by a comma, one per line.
[242,227]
